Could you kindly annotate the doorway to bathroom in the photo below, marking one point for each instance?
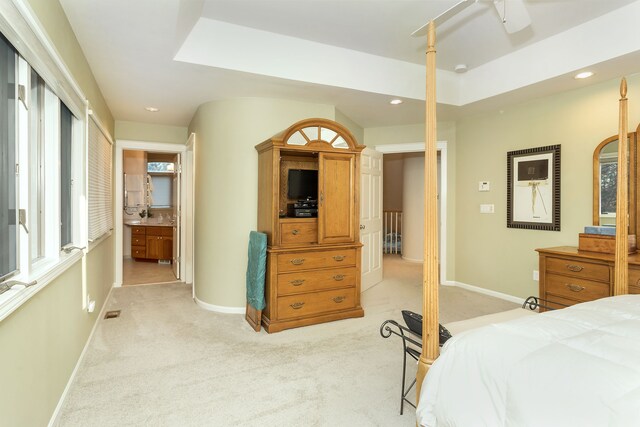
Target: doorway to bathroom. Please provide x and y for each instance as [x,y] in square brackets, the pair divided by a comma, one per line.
[151,205]
[151,179]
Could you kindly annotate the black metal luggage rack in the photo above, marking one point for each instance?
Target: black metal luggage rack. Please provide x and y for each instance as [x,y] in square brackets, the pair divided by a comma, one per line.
[411,345]
[534,303]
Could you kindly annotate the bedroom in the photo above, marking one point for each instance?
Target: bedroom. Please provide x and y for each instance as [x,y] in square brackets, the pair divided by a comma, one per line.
[481,251]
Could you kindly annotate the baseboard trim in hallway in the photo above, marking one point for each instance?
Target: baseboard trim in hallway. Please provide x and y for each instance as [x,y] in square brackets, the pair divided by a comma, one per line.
[56,412]
[219,308]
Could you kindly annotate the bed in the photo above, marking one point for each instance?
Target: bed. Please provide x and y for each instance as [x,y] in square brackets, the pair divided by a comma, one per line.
[575,366]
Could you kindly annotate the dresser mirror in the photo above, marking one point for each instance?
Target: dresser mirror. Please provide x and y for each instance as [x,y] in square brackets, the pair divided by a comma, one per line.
[605,164]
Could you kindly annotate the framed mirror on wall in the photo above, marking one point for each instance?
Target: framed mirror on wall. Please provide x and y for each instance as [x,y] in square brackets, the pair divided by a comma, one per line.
[605,174]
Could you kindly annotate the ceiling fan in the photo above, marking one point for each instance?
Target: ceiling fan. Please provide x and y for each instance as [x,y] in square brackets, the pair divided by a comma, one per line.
[512,13]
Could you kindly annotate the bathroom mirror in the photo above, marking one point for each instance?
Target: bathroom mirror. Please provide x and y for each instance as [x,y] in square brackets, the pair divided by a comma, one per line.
[605,165]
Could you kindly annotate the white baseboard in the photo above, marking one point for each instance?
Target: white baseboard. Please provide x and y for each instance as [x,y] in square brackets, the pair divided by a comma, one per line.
[56,412]
[489,292]
[219,308]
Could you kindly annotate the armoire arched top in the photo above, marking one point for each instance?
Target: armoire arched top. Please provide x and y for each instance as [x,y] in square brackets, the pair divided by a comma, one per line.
[315,135]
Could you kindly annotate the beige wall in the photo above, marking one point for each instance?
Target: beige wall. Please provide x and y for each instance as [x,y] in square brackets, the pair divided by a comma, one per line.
[42,340]
[135,131]
[490,255]
[355,128]
[226,186]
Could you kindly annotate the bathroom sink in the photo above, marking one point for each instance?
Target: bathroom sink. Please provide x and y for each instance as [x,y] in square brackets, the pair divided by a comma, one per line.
[132,222]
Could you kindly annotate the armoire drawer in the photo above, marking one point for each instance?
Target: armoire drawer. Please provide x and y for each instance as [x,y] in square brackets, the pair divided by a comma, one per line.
[314,303]
[578,268]
[575,288]
[298,232]
[316,259]
[307,281]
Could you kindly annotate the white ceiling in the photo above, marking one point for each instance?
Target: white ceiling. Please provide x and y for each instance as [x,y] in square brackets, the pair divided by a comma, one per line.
[354,54]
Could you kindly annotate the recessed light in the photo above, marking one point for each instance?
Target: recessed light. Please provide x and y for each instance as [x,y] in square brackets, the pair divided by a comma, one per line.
[395,101]
[152,109]
[584,75]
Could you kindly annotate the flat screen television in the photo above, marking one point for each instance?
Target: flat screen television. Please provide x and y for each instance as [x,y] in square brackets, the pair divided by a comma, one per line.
[303,184]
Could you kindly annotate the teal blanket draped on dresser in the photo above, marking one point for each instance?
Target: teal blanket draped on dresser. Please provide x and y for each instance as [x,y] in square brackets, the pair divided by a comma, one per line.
[256,270]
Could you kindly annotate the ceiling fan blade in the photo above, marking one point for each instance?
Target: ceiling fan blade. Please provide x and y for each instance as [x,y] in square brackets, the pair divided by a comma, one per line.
[514,15]
[455,9]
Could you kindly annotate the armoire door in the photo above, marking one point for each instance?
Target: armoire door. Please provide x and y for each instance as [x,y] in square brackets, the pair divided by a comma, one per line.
[337,216]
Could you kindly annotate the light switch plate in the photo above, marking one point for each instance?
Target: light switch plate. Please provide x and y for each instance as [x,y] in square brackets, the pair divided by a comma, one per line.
[487,209]
[484,186]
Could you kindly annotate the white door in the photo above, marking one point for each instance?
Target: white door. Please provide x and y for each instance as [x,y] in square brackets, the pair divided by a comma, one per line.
[178,209]
[371,216]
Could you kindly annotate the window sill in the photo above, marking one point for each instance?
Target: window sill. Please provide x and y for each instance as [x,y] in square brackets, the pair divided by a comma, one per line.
[93,244]
[45,272]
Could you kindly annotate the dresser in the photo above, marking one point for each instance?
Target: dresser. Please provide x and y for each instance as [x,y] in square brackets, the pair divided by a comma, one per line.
[569,276]
[313,253]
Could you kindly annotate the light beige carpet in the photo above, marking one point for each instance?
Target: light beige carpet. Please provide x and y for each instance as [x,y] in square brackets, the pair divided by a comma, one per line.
[167,362]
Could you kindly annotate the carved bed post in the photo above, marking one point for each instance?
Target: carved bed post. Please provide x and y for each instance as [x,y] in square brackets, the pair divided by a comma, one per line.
[621,272]
[430,279]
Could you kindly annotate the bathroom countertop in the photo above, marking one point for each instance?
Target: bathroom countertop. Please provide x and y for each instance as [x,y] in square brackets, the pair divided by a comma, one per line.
[149,223]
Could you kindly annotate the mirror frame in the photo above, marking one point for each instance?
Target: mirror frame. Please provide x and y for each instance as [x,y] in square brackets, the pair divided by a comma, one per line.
[634,211]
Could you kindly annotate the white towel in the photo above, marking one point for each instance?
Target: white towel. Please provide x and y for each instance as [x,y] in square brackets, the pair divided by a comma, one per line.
[150,181]
[134,198]
[134,183]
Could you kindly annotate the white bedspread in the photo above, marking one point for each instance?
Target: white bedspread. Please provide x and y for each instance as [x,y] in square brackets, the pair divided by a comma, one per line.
[579,366]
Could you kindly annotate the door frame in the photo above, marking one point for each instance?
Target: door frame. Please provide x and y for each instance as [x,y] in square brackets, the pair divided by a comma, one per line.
[418,147]
[122,145]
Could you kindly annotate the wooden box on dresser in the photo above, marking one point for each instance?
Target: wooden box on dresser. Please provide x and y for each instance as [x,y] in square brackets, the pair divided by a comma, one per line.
[313,263]
[570,276]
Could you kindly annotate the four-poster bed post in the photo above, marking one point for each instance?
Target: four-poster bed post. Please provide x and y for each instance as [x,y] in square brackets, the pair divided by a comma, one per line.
[430,279]
[621,271]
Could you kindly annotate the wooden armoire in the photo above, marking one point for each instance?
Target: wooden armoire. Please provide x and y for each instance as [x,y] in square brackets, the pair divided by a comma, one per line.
[313,262]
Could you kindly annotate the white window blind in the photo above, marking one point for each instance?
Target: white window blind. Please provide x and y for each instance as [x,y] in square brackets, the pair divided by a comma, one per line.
[100,188]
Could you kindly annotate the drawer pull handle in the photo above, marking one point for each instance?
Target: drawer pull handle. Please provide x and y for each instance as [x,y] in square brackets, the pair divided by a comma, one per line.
[575,288]
[295,232]
[297,282]
[338,277]
[339,257]
[575,268]
[296,305]
[338,300]
[297,261]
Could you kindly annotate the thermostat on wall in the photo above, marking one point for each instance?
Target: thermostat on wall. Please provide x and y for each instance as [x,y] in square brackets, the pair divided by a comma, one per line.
[484,186]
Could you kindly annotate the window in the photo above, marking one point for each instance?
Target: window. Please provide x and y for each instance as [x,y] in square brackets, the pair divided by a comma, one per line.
[66,182]
[8,199]
[161,186]
[161,183]
[160,167]
[42,176]
[36,165]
